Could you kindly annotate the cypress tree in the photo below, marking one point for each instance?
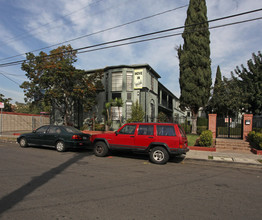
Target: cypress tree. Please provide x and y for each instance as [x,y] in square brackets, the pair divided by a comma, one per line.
[194,60]
[216,102]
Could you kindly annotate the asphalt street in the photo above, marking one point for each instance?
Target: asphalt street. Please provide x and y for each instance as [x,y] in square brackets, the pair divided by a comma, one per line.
[40,183]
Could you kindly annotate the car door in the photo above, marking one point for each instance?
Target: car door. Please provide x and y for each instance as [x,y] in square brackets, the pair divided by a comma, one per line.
[38,136]
[125,138]
[51,136]
[145,136]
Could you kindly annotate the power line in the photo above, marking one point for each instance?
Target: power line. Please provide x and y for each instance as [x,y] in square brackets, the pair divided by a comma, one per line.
[101,31]
[167,36]
[149,34]
[46,24]
[9,78]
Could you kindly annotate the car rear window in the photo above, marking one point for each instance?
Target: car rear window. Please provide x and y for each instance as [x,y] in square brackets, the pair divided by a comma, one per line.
[165,130]
[182,132]
[72,130]
[146,130]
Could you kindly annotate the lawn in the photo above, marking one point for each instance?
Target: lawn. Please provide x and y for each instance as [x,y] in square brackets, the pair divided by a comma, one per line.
[192,139]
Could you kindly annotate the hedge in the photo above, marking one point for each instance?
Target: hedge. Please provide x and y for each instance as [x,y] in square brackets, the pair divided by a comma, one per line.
[255,139]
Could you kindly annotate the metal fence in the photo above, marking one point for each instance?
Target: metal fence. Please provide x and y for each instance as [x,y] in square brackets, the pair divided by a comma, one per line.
[257,122]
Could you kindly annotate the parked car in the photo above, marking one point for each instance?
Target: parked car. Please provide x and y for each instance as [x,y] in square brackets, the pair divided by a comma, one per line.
[159,140]
[61,137]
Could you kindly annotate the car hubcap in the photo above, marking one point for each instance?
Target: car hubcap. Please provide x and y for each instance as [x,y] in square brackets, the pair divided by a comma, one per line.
[60,146]
[23,142]
[99,149]
[158,155]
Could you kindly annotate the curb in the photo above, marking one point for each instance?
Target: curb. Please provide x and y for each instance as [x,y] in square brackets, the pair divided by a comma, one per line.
[234,163]
[202,148]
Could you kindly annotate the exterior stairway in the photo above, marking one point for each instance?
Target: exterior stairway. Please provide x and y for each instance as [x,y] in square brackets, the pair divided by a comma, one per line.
[234,145]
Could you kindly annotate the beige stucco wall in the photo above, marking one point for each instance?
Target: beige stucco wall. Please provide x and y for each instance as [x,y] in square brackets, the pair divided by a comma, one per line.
[21,122]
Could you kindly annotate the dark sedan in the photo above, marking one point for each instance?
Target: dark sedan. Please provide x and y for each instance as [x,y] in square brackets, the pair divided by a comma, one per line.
[61,137]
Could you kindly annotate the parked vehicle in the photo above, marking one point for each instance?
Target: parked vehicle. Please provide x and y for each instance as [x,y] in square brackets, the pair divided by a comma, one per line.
[61,137]
[159,140]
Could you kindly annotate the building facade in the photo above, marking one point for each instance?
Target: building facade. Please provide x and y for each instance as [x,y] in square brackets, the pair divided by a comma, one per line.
[134,83]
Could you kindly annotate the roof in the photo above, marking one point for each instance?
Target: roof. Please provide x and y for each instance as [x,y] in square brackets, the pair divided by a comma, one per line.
[147,66]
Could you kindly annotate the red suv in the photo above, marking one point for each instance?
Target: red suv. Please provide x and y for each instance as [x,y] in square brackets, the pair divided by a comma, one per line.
[159,140]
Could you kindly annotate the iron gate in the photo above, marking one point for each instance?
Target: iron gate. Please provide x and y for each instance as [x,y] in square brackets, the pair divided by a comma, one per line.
[228,127]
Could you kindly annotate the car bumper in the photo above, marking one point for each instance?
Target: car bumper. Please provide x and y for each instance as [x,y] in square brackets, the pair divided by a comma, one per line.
[177,151]
[78,144]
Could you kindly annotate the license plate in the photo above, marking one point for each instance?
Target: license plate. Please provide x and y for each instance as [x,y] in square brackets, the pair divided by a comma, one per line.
[84,138]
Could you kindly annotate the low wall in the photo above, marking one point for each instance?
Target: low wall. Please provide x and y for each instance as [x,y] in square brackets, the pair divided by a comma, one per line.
[12,122]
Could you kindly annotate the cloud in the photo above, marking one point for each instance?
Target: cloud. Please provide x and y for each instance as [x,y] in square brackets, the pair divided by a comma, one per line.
[50,22]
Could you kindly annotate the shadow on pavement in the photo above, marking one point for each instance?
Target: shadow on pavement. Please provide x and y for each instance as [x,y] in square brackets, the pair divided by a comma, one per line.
[10,200]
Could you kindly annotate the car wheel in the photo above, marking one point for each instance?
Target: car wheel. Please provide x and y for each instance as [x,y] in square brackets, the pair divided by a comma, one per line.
[60,146]
[159,155]
[23,142]
[100,149]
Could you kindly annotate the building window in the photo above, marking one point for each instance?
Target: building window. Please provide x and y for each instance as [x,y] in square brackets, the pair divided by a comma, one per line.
[128,110]
[129,96]
[116,95]
[117,79]
[152,83]
[129,81]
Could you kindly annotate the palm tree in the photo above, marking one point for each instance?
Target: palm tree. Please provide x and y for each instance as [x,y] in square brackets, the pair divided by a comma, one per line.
[119,103]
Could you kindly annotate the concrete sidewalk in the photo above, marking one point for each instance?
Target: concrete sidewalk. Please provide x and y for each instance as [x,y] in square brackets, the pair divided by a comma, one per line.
[226,156]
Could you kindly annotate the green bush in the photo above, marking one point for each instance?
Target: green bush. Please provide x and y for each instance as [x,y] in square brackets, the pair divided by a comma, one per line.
[206,138]
[187,128]
[255,139]
[202,122]
[200,129]
[99,127]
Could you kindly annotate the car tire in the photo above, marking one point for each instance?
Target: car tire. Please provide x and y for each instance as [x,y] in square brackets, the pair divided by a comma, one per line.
[60,146]
[159,155]
[100,150]
[23,142]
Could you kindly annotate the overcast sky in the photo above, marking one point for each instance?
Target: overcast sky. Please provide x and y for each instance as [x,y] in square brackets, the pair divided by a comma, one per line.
[31,25]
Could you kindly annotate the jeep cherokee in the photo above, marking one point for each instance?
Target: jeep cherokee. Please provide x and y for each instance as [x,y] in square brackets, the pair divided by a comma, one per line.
[159,140]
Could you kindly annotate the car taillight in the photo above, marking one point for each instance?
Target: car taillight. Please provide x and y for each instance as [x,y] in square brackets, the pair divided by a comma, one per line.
[77,137]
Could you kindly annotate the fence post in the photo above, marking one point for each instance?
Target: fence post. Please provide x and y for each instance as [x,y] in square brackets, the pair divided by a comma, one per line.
[212,124]
[247,124]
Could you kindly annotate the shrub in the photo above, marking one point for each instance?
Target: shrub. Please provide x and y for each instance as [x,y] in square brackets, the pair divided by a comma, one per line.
[250,136]
[255,139]
[202,121]
[99,127]
[187,128]
[200,129]
[206,138]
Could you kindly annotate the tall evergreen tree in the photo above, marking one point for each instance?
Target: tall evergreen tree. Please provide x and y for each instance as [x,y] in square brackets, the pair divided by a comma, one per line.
[216,103]
[194,60]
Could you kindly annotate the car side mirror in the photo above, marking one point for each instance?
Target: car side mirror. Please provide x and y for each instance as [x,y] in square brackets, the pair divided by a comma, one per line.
[116,132]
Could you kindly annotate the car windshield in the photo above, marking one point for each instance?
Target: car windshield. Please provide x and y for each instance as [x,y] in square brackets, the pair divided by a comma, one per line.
[72,130]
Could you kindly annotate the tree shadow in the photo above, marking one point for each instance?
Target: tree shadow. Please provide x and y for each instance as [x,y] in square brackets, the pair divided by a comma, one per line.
[13,198]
